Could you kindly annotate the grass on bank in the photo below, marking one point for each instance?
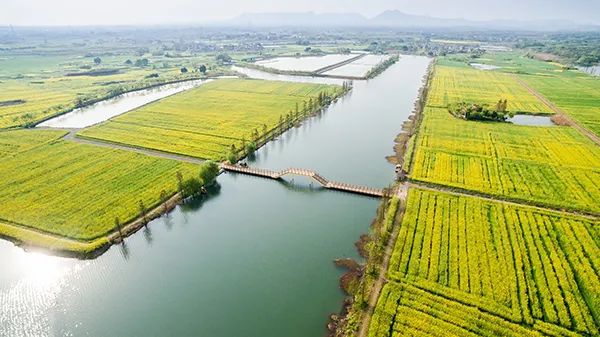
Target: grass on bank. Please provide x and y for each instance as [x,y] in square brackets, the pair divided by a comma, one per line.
[206,121]
[32,238]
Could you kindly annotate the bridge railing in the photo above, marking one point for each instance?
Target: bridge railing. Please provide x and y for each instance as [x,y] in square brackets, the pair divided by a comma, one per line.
[308,173]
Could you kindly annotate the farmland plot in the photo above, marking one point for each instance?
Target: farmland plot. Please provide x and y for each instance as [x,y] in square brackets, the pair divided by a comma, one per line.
[578,96]
[76,190]
[554,166]
[476,266]
[458,84]
[206,121]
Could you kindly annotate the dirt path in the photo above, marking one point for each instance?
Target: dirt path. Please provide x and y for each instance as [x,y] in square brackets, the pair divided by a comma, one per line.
[475,194]
[559,111]
[382,280]
[72,136]
[339,64]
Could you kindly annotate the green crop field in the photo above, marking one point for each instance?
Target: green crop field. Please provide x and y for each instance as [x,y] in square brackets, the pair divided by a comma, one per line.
[75,190]
[43,97]
[206,121]
[13,142]
[468,266]
[508,62]
[34,87]
[575,92]
[578,96]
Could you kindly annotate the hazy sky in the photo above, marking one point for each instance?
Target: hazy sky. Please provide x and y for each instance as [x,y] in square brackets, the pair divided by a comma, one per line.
[87,12]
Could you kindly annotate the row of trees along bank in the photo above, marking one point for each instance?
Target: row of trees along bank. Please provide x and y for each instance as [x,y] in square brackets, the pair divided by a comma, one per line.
[310,107]
[186,188]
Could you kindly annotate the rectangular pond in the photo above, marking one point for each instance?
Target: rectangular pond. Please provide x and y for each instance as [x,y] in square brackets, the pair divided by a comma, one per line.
[304,63]
[359,67]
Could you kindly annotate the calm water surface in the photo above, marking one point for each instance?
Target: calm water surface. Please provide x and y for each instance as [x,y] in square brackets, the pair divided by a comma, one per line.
[593,70]
[531,120]
[104,110]
[482,66]
[359,67]
[252,259]
[304,63]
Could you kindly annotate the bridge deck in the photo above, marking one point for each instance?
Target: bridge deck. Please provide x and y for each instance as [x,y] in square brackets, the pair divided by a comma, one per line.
[334,185]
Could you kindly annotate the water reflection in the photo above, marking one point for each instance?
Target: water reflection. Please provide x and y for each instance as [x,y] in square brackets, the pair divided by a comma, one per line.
[148,235]
[36,283]
[124,249]
[531,120]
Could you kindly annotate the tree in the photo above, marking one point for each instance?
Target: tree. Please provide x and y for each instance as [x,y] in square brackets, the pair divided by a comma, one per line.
[223,58]
[179,181]
[232,157]
[118,225]
[209,170]
[250,147]
[163,199]
[143,212]
[142,62]
[97,60]
[202,69]
[128,62]
[183,70]
[281,121]
[191,187]
[499,105]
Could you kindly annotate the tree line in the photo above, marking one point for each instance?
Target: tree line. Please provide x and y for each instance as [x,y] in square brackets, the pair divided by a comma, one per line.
[258,137]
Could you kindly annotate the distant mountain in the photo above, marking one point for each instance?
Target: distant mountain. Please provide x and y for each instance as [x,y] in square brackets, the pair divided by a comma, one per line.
[395,18]
[300,19]
[392,19]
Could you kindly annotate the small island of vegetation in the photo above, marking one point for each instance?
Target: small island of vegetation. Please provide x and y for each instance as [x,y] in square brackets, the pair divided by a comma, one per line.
[481,112]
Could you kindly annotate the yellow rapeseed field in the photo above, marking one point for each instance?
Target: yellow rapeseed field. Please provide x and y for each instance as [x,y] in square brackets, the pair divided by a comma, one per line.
[206,121]
[76,190]
[470,265]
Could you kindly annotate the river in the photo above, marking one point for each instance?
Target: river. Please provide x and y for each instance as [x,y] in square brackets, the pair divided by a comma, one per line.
[106,109]
[252,259]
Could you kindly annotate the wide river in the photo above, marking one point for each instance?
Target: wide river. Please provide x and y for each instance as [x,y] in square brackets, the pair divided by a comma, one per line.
[252,259]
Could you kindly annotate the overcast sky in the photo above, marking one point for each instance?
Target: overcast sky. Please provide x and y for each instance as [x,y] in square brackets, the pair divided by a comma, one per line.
[110,12]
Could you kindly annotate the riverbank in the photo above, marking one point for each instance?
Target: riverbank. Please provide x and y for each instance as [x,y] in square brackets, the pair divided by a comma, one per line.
[31,239]
[292,119]
[377,246]
[113,94]
[85,249]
